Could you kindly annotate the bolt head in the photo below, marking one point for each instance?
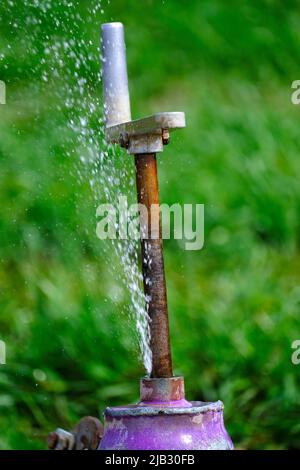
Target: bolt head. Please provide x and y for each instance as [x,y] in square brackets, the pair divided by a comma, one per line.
[165,137]
[124,140]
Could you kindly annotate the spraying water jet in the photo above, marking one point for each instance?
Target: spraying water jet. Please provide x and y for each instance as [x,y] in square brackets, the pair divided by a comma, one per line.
[163,419]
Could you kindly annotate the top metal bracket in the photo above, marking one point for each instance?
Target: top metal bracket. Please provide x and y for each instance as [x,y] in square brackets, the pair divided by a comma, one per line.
[146,135]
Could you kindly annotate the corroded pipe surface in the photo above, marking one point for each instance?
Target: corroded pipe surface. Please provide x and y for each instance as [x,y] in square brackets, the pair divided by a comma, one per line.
[156,390]
[153,265]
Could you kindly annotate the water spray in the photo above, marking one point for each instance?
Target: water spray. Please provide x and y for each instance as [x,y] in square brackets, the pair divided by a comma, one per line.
[163,419]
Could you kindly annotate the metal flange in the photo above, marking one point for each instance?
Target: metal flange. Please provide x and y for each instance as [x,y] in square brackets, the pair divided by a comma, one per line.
[146,135]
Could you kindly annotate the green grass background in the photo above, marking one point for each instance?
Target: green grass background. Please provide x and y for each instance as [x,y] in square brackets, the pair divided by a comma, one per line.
[235,305]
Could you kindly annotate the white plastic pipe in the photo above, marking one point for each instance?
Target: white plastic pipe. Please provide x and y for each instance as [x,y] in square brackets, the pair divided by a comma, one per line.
[114,74]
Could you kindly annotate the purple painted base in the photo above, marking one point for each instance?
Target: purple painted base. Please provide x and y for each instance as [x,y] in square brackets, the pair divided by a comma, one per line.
[165,420]
[198,426]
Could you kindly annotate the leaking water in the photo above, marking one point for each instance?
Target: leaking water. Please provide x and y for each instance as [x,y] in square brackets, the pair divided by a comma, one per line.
[57,37]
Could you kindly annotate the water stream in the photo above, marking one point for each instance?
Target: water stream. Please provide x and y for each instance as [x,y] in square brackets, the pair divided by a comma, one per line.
[62,40]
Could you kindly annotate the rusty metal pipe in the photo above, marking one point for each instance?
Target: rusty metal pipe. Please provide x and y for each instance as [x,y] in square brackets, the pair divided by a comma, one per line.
[153,266]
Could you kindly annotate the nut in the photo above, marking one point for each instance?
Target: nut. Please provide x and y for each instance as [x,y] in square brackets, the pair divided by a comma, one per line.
[165,136]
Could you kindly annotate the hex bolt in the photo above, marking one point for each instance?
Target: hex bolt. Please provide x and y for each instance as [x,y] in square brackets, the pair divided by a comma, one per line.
[165,136]
[124,140]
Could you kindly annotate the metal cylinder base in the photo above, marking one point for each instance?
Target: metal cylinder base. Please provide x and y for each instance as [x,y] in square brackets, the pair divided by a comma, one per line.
[159,424]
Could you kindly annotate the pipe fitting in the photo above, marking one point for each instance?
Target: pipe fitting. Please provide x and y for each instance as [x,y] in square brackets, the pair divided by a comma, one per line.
[162,389]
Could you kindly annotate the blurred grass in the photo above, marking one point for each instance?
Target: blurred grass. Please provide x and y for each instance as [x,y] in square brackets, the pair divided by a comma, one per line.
[234,306]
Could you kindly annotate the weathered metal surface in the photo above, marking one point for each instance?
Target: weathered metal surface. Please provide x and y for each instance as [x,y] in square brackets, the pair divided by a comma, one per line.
[88,433]
[168,408]
[114,74]
[61,440]
[85,436]
[146,135]
[151,125]
[164,420]
[153,265]
[198,427]
[138,144]
[161,390]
